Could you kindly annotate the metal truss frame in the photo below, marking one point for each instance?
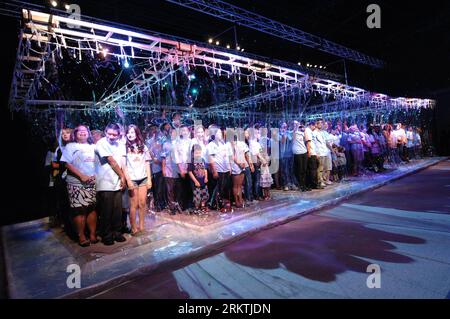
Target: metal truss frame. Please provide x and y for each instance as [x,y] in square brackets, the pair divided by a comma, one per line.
[164,55]
[226,11]
[40,106]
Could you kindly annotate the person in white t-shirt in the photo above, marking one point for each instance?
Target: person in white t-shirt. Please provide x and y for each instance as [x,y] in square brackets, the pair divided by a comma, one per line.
[80,162]
[313,161]
[171,172]
[410,142]
[356,147]
[138,174]
[401,142]
[256,155]
[110,181]
[375,148]
[391,141]
[300,152]
[287,158]
[238,166]
[328,163]
[248,171]
[182,146]
[199,139]
[322,151]
[219,157]
[125,198]
[58,198]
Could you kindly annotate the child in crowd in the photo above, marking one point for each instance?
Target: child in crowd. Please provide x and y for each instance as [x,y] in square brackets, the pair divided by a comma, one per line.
[266,178]
[341,162]
[199,179]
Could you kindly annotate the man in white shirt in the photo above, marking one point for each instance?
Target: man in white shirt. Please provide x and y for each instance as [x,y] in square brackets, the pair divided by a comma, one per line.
[110,181]
[328,164]
[410,142]
[219,158]
[400,134]
[313,161]
[257,159]
[300,151]
[322,152]
[170,171]
[183,158]
[286,158]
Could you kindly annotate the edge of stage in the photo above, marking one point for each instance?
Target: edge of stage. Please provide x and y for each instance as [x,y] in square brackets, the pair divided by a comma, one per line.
[36,257]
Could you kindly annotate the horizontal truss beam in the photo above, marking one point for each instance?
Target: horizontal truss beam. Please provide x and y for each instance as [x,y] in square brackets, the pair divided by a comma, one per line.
[226,11]
[52,30]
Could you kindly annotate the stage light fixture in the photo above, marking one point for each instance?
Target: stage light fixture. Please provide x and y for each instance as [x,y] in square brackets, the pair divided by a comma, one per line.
[126,64]
[66,6]
[299,63]
[194,91]
[217,42]
[315,66]
[54,3]
[105,52]
[228,46]
[242,49]
[192,77]
[210,40]
[238,48]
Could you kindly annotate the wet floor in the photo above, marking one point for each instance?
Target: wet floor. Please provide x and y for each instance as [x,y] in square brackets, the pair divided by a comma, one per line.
[404,227]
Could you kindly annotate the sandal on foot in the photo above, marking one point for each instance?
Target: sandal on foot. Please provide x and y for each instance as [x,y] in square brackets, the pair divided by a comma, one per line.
[135,233]
[85,243]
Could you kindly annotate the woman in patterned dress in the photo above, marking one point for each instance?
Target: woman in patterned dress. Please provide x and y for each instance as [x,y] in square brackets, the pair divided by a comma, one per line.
[80,158]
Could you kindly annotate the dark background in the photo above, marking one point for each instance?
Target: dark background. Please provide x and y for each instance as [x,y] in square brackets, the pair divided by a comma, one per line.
[414,41]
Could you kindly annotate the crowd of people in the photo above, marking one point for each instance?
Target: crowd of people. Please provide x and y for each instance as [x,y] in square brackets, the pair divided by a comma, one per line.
[105,177]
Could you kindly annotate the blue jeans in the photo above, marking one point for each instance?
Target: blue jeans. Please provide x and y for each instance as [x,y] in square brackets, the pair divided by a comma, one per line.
[248,185]
[256,177]
[287,165]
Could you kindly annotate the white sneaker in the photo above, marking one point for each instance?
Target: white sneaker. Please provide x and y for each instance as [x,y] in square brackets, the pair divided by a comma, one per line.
[286,188]
[323,184]
[329,182]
